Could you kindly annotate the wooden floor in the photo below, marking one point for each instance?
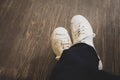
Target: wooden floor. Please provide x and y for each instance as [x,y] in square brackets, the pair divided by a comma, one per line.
[26,26]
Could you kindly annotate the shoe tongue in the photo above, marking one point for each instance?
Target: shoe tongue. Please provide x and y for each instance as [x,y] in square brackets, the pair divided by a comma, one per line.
[92,35]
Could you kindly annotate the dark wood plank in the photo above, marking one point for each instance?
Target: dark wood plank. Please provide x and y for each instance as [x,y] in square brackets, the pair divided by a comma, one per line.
[26,26]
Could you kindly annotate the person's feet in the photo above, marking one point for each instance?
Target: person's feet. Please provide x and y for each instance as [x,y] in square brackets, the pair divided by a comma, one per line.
[60,40]
[81,30]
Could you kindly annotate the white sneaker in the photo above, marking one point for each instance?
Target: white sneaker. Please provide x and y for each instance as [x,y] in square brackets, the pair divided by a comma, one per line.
[60,40]
[82,32]
[100,66]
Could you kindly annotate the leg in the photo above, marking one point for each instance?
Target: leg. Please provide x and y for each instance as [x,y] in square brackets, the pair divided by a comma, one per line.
[76,63]
[102,75]
[79,62]
[82,32]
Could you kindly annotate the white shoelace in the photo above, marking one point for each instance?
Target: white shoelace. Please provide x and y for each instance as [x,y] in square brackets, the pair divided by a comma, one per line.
[65,43]
[82,31]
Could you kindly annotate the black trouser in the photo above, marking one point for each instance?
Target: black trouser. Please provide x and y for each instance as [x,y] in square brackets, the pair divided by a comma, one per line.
[80,62]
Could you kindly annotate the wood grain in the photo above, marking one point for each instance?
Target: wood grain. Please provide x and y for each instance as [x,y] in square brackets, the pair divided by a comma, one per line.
[26,26]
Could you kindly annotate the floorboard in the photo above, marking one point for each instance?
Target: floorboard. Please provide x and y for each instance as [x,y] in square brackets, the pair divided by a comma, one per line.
[26,27]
